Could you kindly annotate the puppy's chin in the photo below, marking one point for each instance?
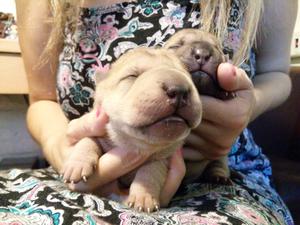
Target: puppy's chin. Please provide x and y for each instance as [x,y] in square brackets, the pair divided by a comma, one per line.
[160,133]
[167,129]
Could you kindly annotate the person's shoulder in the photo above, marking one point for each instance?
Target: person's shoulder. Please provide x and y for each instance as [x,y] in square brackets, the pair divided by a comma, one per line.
[280,9]
[274,35]
[278,14]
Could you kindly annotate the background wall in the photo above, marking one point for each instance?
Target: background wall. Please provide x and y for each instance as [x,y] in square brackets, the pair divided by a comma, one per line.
[295,51]
[8,6]
[15,142]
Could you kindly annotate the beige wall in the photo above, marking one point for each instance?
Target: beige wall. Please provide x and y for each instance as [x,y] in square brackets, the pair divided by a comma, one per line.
[296,52]
[8,6]
[298,19]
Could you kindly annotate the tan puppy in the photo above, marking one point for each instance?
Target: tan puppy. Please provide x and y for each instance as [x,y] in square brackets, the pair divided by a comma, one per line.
[202,53]
[152,106]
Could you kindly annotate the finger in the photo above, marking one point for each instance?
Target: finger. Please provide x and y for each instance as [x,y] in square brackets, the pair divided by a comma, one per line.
[232,78]
[174,178]
[191,153]
[218,135]
[118,162]
[206,154]
[227,76]
[207,149]
[232,113]
[236,111]
[112,165]
[89,125]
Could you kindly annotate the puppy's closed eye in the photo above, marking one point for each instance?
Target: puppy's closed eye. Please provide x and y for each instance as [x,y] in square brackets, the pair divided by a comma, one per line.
[129,77]
[176,45]
[132,76]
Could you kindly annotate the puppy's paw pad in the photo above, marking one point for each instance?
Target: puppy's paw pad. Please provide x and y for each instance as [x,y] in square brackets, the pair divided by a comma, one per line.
[143,202]
[75,171]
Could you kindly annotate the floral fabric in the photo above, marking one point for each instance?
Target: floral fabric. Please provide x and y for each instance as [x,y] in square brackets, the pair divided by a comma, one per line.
[40,197]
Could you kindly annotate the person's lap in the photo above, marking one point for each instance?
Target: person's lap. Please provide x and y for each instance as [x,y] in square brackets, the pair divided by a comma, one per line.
[40,195]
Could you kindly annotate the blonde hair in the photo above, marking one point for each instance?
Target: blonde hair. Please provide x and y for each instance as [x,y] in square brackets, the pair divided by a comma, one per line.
[215,15]
[214,19]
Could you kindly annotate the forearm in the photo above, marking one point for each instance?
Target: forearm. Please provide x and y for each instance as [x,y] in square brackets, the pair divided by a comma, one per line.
[272,84]
[270,90]
[47,124]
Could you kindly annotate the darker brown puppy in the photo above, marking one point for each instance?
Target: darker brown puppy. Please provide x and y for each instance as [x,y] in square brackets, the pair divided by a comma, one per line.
[201,53]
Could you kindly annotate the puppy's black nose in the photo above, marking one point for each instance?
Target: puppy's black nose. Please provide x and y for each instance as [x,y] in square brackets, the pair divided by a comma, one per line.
[201,55]
[178,95]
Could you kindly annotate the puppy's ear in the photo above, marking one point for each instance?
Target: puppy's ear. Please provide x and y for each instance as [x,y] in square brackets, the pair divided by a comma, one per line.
[100,76]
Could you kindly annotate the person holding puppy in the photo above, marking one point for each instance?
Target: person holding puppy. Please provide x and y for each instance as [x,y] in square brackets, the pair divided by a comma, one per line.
[85,37]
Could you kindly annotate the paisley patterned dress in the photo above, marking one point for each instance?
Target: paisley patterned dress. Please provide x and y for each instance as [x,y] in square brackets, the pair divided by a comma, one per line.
[30,197]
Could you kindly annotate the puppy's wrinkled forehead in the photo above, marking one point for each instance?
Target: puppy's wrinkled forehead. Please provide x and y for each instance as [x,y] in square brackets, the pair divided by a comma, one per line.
[142,59]
[188,36]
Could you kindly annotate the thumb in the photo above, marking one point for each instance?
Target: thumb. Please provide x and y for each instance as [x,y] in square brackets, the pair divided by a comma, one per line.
[227,76]
[92,124]
[231,78]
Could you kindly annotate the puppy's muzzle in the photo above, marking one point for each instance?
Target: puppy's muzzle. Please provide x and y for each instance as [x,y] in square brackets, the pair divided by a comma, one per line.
[201,55]
[178,95]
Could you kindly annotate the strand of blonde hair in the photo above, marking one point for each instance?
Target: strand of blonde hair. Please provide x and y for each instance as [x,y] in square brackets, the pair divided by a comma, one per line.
[215,16]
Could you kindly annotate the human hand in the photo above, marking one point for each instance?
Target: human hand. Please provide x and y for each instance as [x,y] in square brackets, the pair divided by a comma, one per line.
[117,161]
[85,156]
[174,178]
[110,166]
[222,121]
[91,124]
[175,175]
[83,148]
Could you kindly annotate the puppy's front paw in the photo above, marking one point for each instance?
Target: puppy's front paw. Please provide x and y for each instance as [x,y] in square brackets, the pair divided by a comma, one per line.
[82,161]
[143,202]
[75,170]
